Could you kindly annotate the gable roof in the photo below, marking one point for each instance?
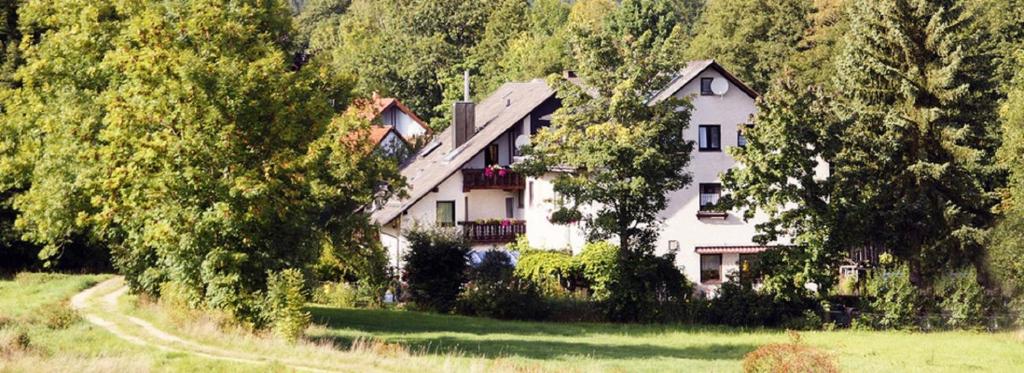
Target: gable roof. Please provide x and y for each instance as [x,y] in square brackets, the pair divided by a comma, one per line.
[694,69]
[438,160]
[371,109]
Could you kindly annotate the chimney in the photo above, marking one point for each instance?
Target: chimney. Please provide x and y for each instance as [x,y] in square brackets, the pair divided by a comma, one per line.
[463,116]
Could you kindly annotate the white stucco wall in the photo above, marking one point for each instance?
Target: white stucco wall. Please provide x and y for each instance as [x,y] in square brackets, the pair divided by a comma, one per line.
[402,122]
[541,233]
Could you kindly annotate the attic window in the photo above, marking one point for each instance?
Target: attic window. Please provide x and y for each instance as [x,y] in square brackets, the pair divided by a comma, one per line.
[705,86]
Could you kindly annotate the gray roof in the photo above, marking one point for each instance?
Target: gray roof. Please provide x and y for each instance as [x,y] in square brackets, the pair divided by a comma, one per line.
[691,71]
[504,108]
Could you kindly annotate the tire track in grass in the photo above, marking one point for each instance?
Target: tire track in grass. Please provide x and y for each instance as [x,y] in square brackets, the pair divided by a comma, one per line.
[84,303]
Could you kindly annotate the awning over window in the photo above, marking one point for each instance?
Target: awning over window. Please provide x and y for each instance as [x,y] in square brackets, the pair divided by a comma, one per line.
[730,249]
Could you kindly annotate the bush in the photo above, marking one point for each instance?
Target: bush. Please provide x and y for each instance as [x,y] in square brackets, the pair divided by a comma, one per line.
[494,292]
[788,357]
[285,304]
[1005,259]
[739,304]
[893,301]
[336,294]
[963,299]
[435,268]
[13,340]
[599,263]
[57,316]
[555,272]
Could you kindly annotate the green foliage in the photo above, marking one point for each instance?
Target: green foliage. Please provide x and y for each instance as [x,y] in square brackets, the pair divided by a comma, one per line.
[555,272]
[175,134]
[1005,256]
[913,168]
[755,39]
[435,267]
[963,299]
[285,304]
[893,301]
[793,132]
[599,261]
[737,303]
[624,150]
[336,294]
[493,291]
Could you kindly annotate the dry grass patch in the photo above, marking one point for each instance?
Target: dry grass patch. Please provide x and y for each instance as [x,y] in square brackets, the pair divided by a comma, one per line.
[792,357]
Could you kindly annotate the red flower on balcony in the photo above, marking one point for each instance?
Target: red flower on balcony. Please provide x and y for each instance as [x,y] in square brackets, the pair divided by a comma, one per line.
[502,172]
[488,172]
[506,223]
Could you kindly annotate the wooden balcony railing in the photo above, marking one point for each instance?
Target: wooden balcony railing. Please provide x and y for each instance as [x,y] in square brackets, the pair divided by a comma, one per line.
[493,232]
[495,179]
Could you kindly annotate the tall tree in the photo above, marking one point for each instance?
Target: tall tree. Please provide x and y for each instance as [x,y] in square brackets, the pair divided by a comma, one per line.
[920,132]
[754,38]
[783,178]
[413,49]
[625,152]
[175,133]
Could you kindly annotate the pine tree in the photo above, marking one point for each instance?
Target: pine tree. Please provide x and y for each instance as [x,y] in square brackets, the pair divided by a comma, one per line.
[914,171]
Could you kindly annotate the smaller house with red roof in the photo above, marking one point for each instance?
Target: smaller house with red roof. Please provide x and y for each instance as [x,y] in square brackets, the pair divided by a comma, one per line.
[395,128]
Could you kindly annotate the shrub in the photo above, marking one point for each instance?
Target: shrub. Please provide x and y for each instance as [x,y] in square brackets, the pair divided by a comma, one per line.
[336,294]
[893,301]
[13,340]
[435,267]
[493,291]
[789,357]
[599,263]
[285,304]
[963,299]
[1005,258]
[555,272]
[57,316]
[739,304]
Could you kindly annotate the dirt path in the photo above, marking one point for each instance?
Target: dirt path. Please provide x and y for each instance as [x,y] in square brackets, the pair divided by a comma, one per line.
[98,305]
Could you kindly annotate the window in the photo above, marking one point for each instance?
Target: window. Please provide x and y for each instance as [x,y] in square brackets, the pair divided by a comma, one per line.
[748,267]
[446,213]
[491,155]
[520,196]
[709,195]
[705,86]
[510,207]
[710,268]
[710,138]
[741,140]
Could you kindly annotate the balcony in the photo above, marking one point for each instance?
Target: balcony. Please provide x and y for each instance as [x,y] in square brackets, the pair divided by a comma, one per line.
[502,179]
[493,232]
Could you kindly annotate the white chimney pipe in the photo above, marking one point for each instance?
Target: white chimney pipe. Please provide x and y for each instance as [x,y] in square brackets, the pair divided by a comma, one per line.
[465,86]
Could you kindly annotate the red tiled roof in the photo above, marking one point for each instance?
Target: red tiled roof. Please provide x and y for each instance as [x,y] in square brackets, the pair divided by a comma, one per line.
[371,108]
[730,249]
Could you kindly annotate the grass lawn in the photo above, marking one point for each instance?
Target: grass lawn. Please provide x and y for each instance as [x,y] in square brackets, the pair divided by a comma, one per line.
[589,347]
[388,340]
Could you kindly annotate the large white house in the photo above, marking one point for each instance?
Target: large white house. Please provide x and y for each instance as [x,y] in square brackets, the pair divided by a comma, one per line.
[451,183]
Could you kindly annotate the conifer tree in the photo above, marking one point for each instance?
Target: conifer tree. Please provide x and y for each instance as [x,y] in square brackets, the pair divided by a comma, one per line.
[914,171]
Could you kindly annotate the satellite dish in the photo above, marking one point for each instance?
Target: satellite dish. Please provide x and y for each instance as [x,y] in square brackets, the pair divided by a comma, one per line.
[719,87]
[521,141]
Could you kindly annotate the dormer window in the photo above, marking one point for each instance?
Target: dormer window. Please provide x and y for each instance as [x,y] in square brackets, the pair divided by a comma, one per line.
[705,86]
